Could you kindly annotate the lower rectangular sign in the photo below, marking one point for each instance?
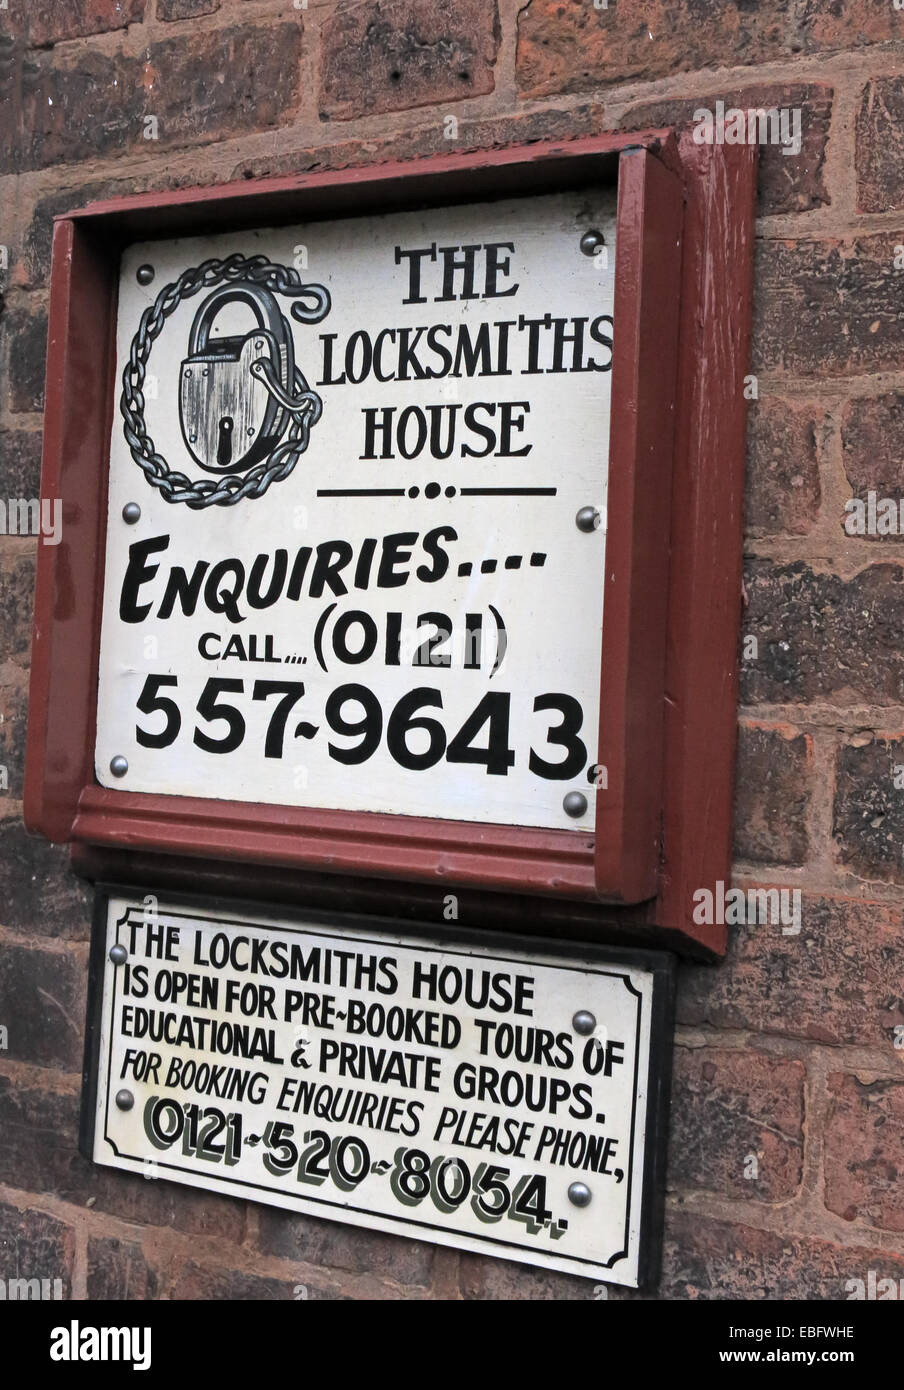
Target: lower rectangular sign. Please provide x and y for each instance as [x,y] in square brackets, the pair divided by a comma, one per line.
[484,1092]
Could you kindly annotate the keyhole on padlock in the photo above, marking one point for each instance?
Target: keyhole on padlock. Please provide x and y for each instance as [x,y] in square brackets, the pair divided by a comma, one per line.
[224,442]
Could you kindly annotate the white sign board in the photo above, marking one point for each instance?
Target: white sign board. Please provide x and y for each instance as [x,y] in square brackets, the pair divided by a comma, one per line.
[498,1099]
[342,561]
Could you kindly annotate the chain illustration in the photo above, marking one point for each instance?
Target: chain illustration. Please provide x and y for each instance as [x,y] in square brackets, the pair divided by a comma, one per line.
[304,406]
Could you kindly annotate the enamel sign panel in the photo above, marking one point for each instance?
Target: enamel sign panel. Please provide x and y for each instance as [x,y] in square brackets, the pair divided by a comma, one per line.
[343,568]
[492,1097]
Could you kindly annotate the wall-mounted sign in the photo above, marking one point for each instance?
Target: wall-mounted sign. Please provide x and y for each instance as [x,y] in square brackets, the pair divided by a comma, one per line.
[366,564]
[488,1095]
[401,531]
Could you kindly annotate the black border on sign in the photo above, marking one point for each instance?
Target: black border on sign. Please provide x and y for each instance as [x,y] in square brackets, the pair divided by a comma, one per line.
[659,964]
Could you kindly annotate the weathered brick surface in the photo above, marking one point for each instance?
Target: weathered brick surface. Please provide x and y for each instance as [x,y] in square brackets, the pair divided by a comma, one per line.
[39,1136]
[386,55]
[20,463]
[310,1241]
[706,1259]
[783,488]
[17,583]
[199,88]
[847,24]
[196,1281]
[25,334]
[185,9]
[772,793]
[880,146]
[872,430]
[786,182]
[570,46]
[842,298]
[737,1123]
[45,22]
[13,707]
[117,1269]
[40,896]
[868,822]
[486,1279]
[42,996]
[838,981]
[823,637]
[865,1151]
[34,1245]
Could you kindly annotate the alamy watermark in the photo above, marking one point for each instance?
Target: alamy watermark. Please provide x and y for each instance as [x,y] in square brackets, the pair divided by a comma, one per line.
[32,516]
[738,907]
[874,515]
[756,126]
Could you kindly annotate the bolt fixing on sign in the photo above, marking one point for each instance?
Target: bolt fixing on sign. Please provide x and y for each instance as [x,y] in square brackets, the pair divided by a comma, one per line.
[118,954]
[124,1100]
[587,519]
[144,274]
[574,804]
[584,1022]
[119,765]
[579,1193]
[591,241]
[131,513]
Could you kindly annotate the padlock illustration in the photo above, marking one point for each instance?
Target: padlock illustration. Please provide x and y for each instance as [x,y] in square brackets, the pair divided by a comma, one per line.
[237,393]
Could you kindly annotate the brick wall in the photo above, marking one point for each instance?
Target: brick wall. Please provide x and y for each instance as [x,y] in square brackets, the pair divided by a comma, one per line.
[788,1108]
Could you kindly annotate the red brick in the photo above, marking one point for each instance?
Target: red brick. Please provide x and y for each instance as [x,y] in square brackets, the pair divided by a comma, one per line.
[13,706]
[117,1269]
[20,463]
[196,1281]
[474,134]
[40,894]
[783,491]
[44,22]
[826,308]
[492,1280]
[847,24]
[570,46]
[17,586]
[868,822]
[880,145]
[864,1151]
[837,981]
[39,1149]
[772,794]
[185,9]
[34,1245]
[25,339]
[389,55]
[42,998]
[823,637]
[708,1260]
[728,1107]
[785,182]
[311,1241]
[200,86]
[872,431]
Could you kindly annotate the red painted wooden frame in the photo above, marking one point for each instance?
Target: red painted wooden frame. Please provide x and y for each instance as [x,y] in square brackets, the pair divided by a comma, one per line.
[664,821]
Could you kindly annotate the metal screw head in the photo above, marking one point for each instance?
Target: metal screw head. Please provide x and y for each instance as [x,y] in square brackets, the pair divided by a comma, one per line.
[131,513]
[579,1193]
[124,1100]
[119,765]
[587,519]
[144,274]
[591,240]
[583,1022]
[575,804]
[118,954]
